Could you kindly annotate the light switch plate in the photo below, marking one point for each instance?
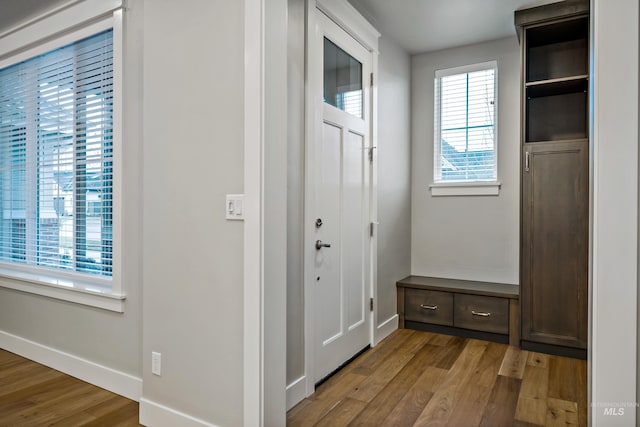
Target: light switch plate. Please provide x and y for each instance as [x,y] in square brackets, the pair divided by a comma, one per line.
[156,363]
[234,207]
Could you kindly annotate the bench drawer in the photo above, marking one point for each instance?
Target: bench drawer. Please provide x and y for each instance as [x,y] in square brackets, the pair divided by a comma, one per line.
[481,313]
[428,306]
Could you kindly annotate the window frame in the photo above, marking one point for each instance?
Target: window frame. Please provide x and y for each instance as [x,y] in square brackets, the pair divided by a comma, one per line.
[102,292]
[469,187]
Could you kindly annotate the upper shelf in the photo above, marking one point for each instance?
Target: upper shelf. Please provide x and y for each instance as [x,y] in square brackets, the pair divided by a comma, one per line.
[557,86]
[558,32]
[540,14]
[557,50]
[558,80]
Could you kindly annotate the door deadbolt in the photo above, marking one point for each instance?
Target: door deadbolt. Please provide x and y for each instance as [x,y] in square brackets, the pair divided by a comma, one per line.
[318,222]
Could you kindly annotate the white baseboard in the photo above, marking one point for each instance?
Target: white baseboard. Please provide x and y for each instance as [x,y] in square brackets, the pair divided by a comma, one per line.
[385,328]
[156,415]
[115,381]
[296,391]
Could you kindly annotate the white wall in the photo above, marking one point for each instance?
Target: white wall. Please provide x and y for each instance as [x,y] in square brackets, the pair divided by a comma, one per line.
[615,210]
[295,189]
[394,179]
[106,338]
[193,257]
[465,237]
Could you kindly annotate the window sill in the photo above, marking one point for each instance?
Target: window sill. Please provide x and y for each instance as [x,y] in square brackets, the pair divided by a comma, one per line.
[490,188]
[65,289]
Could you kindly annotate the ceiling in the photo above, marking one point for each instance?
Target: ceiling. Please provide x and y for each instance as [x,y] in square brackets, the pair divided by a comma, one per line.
[428,25]
[14,12]
[416,25]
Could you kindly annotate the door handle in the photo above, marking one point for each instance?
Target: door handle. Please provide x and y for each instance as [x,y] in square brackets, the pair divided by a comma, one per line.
[526,161]
[320,245]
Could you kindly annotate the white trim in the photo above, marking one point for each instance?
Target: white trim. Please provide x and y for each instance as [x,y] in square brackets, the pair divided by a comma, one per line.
[373,195]
[110,379]
[592,171]
[296,391]
[274,213]
[386,328]
[76,292]
[117,157]
[64,40]
[350,20]
[158,415]
[32,21]
[475,188]
[311,115]
[614,279]
[253,353]
[464,69]
[55,22]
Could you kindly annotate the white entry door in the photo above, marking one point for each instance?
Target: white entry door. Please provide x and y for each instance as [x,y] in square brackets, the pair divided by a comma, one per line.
[340,210]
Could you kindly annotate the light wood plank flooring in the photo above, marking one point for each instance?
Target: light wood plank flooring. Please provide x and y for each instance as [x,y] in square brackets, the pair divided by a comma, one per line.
[415,378]
[34,395]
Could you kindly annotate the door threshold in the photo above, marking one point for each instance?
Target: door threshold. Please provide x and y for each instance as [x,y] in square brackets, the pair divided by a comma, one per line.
[335,371]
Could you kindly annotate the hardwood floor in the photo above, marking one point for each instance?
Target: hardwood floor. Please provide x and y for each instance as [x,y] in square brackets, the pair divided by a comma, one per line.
[34,395]
[415,378]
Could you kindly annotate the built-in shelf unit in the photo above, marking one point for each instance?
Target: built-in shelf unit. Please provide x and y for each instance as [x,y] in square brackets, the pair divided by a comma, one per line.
[554,222]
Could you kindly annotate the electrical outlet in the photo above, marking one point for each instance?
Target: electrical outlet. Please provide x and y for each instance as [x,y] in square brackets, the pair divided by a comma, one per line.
[156,363]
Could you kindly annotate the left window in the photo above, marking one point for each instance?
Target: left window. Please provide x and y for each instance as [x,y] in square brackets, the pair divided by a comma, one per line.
[56,159]
[61,169]
[465,129]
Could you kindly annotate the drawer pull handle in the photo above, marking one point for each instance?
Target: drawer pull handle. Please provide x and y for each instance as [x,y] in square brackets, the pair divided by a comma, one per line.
[479,313]
[429,307]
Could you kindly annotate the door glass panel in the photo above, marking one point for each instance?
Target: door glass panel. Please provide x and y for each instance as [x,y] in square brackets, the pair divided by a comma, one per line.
[342,79]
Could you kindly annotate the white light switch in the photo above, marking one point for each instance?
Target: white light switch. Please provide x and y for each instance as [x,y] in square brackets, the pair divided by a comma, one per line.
[235,207]
[156,363]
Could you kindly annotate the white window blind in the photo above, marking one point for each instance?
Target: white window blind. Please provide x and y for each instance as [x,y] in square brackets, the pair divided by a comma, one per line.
[465,124]
[56,164]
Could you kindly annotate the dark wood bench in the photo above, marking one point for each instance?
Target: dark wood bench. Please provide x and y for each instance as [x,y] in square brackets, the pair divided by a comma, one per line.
[482,310]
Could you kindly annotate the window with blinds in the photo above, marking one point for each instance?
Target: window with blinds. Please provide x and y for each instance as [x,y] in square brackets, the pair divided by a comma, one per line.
[56,165]
[465,124]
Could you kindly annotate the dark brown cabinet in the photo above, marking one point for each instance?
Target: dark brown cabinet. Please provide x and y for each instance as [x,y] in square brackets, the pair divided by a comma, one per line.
[555,221]
[554,177]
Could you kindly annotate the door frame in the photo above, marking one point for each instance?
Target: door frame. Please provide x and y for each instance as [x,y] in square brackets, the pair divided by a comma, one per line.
[265,209]
[350,20]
